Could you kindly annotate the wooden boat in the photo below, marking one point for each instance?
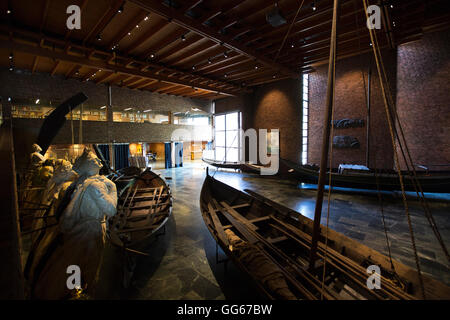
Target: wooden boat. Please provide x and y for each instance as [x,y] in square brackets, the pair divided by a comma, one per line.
[143,208]
[271,244]
[388,180]
[223,164]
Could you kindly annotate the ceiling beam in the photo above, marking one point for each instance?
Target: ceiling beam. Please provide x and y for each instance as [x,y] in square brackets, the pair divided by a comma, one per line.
[97,64]
[79,54]
[157,7]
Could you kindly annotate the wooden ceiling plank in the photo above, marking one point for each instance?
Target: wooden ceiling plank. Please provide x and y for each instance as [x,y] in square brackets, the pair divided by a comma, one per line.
[145,84]
[35,64]
[70,58]
[106,77]
[147,35]
[192,40]
[44,15]
[97,64]
[210,33]
[133,22]
[155,48]
[104,21]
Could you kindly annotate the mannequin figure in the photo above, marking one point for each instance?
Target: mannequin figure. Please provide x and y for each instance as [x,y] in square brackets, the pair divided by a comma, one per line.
[81,232]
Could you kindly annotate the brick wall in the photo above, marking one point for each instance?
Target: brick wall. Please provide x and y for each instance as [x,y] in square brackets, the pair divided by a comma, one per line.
[278,105]
[423,97]
[275,105]
[350,102]
[239,103]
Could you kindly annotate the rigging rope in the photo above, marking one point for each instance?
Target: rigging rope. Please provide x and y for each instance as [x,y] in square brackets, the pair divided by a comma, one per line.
[329,185]
[289,30]
[409,166]
[366,93]
[378,60]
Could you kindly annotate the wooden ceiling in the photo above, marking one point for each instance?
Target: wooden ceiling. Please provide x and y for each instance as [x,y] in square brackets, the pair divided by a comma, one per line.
[205,49]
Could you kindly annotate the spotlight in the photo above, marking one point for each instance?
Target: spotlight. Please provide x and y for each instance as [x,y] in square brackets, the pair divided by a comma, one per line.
[37,101]
[9,99]
[225,55]
[99,37]
[193,67]
[183,38]
[8,11]
[11,68]
[146,18]
[152,56]
[104,107]
[225,75]
[392,6]
[313,6]
[209,61]
[120,10]
[11,56]
[292,45]
[256,67]
[274,76]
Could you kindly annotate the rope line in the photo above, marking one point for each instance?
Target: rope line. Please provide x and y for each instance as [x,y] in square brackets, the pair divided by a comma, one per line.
[378,60]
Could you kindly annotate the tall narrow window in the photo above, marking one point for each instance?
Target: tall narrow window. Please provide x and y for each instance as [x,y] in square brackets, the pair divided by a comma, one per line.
[305,119]
[226,133]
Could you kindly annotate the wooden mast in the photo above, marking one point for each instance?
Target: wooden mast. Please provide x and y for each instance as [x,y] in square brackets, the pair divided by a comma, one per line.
[369,74]
[325,138]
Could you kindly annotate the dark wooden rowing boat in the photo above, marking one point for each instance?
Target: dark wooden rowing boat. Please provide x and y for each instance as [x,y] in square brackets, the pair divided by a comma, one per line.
[271,244]
[223,164]
[143,208]
[438,182]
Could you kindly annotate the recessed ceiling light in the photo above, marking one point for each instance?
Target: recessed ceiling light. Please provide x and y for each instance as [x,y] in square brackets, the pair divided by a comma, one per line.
[256,67]
[152,56]
[8,11]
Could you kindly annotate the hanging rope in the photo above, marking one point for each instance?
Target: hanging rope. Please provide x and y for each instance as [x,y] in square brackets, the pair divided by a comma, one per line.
[289,30]
[380,199]
[378,61]
[330,175]
[406,156]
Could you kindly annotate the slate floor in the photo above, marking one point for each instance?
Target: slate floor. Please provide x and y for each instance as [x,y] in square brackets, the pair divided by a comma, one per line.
[182,262]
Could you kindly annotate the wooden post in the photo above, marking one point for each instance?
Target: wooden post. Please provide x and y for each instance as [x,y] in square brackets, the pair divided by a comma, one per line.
[325,138]
[110,119]
[80,134]
[11,277]
[369,73]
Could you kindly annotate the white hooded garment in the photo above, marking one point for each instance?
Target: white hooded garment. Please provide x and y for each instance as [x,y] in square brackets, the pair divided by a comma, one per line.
[81,235]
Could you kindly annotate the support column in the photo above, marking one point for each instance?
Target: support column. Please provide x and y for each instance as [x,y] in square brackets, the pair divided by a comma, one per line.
[11,277]
[110,120]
